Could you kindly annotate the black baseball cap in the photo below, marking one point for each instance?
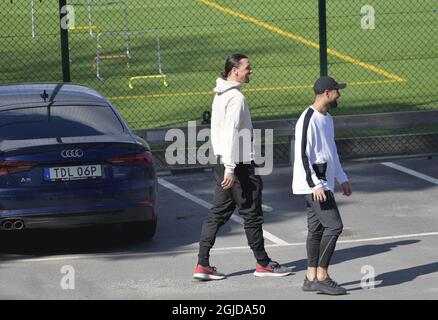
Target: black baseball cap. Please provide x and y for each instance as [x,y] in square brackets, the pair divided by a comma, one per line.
[327,83]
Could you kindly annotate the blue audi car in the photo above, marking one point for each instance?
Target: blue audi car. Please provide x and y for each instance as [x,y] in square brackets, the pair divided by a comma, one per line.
[68,159]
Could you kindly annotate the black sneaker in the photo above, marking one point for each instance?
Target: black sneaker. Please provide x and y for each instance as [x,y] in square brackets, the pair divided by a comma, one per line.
[328,286]
[309,285]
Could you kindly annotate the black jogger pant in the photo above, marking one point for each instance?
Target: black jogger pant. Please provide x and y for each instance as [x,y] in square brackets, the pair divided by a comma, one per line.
[246,195]
[324,226]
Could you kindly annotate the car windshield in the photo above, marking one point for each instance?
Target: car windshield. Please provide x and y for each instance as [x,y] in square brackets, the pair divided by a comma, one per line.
[58,121]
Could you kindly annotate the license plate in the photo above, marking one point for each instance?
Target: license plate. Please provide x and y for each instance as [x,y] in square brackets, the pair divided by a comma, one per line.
[72,173]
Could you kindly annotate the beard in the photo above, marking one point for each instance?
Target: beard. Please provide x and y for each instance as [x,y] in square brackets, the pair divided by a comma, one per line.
[333,104]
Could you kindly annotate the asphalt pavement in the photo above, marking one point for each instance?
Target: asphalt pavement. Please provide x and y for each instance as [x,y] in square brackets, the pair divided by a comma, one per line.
[387,249]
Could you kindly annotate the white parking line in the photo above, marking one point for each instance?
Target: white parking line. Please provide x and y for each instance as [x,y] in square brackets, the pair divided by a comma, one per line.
[411,172]
[208,205]
[401,236]
[278,242]
[194,250]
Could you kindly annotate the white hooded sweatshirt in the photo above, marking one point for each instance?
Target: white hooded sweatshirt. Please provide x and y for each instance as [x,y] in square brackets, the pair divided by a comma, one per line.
[230,119]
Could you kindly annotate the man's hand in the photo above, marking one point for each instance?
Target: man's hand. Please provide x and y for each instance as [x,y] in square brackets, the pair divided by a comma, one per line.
[228,180]
[346,189]
[319,195]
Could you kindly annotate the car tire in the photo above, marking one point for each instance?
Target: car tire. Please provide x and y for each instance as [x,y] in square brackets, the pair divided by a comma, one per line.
[140,231]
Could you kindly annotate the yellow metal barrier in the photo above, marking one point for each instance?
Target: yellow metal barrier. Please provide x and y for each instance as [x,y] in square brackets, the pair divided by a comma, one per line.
[163,76]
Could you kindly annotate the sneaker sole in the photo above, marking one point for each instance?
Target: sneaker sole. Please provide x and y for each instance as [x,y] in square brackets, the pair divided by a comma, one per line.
[271,274]
[307,289]
[206,277]
[331,293]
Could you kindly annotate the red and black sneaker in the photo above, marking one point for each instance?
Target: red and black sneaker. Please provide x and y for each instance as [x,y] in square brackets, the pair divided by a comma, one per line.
[273,269]
[207,273]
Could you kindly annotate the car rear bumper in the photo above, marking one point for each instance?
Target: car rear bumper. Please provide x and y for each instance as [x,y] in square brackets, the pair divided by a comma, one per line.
[67,220]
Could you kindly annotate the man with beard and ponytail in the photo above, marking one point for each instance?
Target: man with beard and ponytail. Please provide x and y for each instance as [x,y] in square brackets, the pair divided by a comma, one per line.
[237,182]
[316,166]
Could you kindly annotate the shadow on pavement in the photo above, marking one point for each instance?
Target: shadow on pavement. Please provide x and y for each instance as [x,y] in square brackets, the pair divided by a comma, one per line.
[397,277]
[342,255]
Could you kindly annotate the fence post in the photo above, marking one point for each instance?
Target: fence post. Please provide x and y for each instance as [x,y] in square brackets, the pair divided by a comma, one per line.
[65,58]
[322,38]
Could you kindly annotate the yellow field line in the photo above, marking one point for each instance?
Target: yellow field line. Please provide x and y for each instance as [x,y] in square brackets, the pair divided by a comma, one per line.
[357,83]
[261,89]
[161,95]
[305,41]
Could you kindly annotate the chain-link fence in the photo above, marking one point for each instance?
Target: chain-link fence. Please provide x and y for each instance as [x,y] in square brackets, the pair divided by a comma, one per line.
[157,60]
[387,51]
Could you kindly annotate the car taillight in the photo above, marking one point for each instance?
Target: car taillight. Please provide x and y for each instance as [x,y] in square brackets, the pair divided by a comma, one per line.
[15,166]
[136,159]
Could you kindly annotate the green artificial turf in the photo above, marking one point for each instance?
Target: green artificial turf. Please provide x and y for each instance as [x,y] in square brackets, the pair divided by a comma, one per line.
[196,38]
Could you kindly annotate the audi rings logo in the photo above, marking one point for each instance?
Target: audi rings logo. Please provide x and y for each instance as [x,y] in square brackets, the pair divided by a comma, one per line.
[77,153]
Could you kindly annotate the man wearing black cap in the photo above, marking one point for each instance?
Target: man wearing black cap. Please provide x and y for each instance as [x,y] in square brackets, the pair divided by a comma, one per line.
[316,166]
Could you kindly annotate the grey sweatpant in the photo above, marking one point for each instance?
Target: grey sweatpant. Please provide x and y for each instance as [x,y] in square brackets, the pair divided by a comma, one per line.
[324,226]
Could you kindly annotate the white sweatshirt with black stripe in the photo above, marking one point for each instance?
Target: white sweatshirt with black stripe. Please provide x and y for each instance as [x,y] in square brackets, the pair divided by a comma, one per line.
[316,161]
[231,120]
